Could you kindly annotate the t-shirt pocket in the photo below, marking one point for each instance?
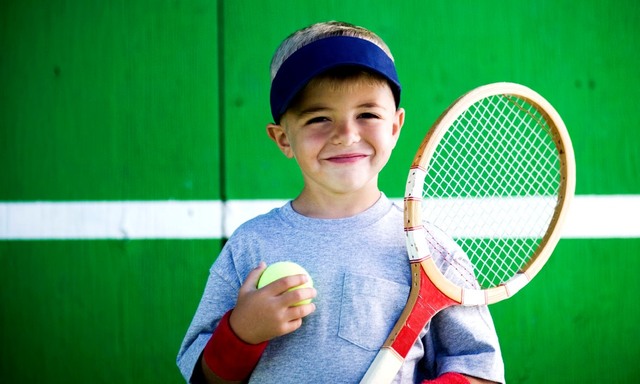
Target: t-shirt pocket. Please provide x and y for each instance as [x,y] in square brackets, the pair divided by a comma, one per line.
[370,308]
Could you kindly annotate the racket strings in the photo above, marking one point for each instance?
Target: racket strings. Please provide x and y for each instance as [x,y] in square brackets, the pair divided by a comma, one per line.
[447,260]
[492,184]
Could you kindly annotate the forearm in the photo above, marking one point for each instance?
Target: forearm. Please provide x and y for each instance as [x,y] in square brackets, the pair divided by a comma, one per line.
[226,358]
[211,378]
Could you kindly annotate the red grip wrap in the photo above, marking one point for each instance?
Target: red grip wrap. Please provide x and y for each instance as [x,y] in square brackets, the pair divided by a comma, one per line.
[229,357]
[448,378]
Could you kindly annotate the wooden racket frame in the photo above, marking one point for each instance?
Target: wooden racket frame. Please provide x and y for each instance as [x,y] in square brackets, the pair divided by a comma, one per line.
[413,195]
[395,349]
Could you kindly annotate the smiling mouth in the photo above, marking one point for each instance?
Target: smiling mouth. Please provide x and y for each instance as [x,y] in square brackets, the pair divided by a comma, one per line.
[346,158]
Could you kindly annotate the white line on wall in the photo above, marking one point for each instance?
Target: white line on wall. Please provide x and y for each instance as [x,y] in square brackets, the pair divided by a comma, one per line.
[591,216]
[111,220]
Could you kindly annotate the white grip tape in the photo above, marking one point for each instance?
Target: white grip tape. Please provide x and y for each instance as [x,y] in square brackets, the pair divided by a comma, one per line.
[473,297]
[414,183]
[516,283]
[417,245]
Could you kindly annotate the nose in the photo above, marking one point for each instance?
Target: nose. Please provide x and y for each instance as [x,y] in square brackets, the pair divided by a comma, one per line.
[346,133]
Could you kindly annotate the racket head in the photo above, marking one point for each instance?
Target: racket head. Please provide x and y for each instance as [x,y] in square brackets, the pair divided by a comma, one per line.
[497,173]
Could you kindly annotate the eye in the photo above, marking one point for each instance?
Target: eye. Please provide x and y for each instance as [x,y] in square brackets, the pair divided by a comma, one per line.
[317,120]
[368,115]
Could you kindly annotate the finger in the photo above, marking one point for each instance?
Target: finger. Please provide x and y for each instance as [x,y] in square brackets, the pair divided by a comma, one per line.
[286,283]
[293,325]
[298,296]
[251,282]
[300,311]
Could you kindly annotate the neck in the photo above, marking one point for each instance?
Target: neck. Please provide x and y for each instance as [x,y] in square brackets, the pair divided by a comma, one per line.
[335,206]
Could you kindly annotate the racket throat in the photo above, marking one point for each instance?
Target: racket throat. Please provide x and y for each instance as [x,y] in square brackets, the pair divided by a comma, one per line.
[425,301]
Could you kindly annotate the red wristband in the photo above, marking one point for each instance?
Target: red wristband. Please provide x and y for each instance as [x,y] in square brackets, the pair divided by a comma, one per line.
[448,378]
[228,356]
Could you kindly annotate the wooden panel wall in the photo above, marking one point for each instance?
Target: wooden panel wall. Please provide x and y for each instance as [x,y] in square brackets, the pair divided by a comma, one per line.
[168,100]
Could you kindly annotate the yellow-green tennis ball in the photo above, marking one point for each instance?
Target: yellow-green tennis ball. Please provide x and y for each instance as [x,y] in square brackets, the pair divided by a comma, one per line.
[281,269]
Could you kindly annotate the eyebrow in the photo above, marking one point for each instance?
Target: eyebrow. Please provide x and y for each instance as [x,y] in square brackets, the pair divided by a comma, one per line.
[311,109]
[319,108]
[371,104]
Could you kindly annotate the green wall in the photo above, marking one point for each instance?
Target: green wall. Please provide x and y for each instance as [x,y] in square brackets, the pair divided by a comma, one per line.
[168,100]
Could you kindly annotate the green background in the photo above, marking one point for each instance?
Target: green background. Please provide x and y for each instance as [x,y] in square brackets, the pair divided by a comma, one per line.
[168,100]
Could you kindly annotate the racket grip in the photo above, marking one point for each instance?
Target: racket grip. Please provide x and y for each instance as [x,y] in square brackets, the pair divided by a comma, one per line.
[383,368]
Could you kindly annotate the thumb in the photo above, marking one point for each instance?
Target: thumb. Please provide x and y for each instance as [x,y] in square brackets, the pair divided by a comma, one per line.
[254,275]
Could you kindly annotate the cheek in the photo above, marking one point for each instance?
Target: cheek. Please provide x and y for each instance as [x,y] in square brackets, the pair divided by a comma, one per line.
[310,141]
[304,149]
[385,141]
[384,146]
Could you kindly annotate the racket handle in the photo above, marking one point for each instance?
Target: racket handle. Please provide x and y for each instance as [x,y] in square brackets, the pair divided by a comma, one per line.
[384,368]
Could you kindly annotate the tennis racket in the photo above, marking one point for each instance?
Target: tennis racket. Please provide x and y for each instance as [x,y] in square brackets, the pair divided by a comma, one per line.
[496,173]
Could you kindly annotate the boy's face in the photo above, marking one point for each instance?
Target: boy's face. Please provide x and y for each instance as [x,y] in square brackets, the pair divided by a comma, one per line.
[341,133]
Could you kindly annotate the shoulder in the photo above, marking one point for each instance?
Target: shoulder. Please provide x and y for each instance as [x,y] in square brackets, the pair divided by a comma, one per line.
[258,224]
[255,240]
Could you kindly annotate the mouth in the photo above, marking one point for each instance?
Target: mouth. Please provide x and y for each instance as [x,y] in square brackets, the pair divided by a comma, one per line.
[346,158]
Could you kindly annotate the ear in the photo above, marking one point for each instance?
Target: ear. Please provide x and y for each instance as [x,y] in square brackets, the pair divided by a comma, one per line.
[278,134]
[398,122]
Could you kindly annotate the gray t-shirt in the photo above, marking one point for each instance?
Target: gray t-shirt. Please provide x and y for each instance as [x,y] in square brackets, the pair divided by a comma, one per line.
[360,269]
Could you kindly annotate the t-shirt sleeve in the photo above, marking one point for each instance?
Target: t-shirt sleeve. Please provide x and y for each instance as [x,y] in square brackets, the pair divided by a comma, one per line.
[219,296]
[463,339]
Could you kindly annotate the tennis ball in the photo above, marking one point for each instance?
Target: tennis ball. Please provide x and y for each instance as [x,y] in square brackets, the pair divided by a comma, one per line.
[281,269]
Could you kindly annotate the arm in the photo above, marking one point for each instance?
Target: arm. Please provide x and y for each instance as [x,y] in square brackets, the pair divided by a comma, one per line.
[226,358]
[463,339]
[237,344]
[456,378]
[475,380]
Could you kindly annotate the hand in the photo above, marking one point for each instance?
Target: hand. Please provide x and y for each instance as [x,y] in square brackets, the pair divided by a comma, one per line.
[262,314]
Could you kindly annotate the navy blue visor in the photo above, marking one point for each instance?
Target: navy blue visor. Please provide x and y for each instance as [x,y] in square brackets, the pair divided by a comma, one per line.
[322,55]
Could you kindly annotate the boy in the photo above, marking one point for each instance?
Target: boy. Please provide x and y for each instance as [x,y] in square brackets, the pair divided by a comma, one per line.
[335,104]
